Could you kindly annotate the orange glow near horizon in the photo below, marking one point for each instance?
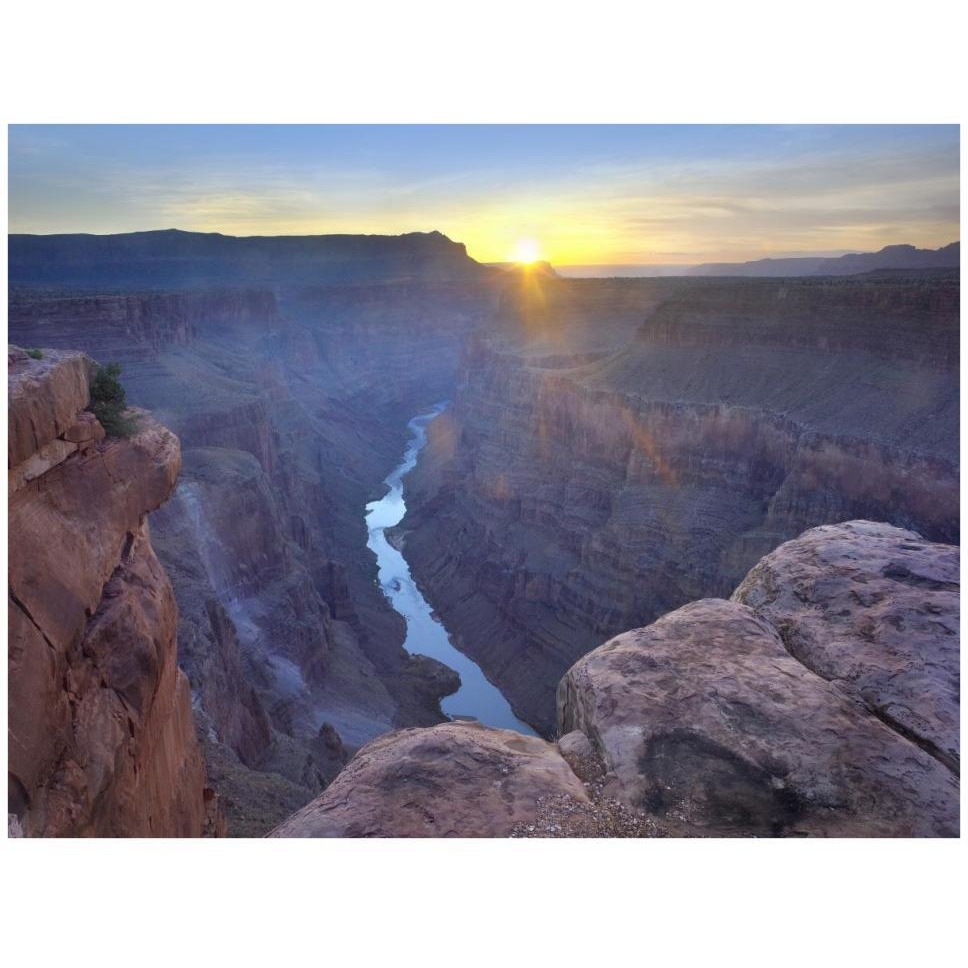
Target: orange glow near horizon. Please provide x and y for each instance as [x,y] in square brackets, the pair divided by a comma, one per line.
[585,195]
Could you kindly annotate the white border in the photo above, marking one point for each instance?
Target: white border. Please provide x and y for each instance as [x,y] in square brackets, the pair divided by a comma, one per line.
[485,903]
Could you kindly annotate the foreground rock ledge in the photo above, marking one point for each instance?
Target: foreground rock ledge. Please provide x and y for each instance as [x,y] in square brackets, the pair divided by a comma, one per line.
[875,609]
[798,709]
[452,780]
[704,719]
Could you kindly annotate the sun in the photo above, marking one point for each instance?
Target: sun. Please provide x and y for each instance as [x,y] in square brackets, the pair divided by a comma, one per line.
[525,251]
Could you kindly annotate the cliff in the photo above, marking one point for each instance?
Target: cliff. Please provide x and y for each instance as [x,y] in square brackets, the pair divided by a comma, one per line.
[821,700]
[618,448]
[101,734]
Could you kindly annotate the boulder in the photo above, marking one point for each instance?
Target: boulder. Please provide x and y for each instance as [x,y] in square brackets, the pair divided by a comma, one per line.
[705,721]
[580,755]
[451,780]
[875,609]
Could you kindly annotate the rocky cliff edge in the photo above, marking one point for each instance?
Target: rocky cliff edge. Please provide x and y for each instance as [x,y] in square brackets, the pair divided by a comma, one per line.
[101,736]
[821,700]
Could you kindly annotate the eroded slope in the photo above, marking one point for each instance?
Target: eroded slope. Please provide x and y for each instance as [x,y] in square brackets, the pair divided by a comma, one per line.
[620,447]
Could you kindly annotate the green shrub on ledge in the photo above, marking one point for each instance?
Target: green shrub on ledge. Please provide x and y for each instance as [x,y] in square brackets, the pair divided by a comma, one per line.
[109,402]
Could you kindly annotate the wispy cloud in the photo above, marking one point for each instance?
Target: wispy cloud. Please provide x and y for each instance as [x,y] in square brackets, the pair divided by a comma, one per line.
[591,195]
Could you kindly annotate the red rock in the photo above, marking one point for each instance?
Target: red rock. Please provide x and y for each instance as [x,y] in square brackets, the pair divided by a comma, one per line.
[705,721]
[86,429]
[101,731]
[50,455]
[875,609]
[44,398]
[451,780]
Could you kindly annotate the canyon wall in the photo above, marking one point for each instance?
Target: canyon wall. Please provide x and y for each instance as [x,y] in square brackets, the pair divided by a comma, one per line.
[101,735]
[291,401]
[820,700]
[617,448]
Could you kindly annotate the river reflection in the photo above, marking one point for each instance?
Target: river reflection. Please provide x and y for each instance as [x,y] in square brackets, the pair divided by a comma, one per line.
[476,698]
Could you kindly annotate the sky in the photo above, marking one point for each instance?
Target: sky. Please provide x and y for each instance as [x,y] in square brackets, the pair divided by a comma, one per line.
[574,195]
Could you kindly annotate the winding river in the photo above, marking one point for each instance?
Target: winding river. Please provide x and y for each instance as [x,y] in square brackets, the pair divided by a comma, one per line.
[477,698]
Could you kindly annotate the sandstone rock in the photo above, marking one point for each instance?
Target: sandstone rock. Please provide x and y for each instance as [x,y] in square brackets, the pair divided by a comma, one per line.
[705,721]
[66,537]
[101,732]
[451,780]
[131,762]
[44,397]
[874,609]
[86,429]
[113,751]
[50,455]
[580,755]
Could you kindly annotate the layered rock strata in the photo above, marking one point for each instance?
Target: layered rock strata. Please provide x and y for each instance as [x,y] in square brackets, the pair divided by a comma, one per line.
[101,733]
[597,470]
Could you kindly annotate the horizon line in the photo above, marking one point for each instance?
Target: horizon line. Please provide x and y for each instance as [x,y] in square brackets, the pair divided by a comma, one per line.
[795,254]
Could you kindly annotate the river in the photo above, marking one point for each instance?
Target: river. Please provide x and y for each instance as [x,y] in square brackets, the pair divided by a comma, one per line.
[477,698]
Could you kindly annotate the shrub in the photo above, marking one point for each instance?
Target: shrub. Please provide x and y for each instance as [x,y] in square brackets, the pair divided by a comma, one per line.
[36,354]
[109,402]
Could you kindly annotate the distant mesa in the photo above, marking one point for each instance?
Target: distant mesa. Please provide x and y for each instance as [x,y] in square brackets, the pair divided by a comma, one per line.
[890,257]
[171,258]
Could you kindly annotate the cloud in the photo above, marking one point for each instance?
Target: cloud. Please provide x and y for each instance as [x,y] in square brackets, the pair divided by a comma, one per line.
[735,194]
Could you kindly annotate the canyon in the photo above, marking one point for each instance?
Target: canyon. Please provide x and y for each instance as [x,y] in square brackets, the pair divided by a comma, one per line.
[613,449]
[618,448]
[291,403]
